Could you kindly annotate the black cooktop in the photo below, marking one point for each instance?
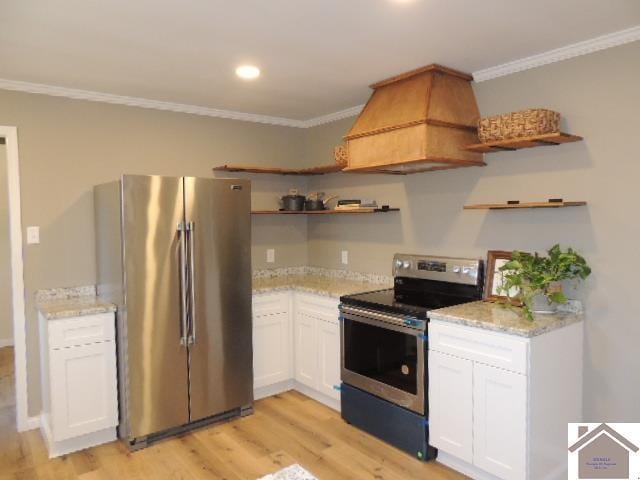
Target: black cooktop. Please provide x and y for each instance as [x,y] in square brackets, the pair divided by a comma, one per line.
[414,298]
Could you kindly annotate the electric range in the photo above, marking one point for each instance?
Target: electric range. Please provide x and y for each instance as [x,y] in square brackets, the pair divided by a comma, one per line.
[384,342]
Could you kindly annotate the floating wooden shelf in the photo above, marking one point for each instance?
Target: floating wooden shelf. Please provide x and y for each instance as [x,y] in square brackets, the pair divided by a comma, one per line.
[505,206]
[523,142]
[324,212]
[281,171]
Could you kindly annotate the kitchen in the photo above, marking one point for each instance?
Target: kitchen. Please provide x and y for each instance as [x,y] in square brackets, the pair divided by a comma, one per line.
[68,146]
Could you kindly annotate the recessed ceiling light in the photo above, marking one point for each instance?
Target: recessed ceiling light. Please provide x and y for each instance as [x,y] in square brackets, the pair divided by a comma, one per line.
[248,72]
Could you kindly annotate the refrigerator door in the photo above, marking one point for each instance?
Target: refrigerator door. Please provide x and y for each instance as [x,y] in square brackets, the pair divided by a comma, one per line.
[221,358]
[157,384]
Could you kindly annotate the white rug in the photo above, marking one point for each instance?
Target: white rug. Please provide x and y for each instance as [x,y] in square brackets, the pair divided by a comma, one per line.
[292,472]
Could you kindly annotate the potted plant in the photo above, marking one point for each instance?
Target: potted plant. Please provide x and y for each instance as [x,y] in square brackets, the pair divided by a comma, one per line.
[533,281]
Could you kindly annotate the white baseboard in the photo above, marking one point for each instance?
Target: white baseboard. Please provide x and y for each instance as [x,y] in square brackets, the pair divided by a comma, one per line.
[6,342]
[62,447]
[281,387]
[271,390]
[464,467]
[31,423]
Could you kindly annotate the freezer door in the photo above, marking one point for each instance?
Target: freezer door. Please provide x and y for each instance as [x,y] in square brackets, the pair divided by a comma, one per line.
[157,384]
[221,373]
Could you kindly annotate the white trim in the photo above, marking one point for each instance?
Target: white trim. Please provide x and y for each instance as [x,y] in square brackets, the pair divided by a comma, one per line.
[6,342]
[332,117]
[271,390]
[32,423]
[564,53]
[92,96]
[463,467]
[10,134]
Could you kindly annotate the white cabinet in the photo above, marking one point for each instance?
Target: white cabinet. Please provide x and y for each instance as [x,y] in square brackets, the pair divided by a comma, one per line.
[451,404]
[272,358]
[296,345]
[499,421]
[306,349]
[317,345]
[328,358]
[500,404]
[79,382]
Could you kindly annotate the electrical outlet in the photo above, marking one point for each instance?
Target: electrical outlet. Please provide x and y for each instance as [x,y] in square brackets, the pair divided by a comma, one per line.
[345,257]
[33,235]
[271,255]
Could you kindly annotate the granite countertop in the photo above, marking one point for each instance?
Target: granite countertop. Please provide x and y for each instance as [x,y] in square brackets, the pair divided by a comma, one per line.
[71,302]
[498,318]
[318,284]
[321,281]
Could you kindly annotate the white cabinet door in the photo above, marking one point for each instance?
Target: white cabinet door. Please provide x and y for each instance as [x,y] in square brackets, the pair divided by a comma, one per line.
[451,404]
[499,421]
[306,349]
[271,349]
[329,358]
[83,389]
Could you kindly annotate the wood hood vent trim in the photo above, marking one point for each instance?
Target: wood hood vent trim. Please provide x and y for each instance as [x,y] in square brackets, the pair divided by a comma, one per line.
[416,121]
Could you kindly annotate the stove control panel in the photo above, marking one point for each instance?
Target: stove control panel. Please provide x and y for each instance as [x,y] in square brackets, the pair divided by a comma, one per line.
[446,269]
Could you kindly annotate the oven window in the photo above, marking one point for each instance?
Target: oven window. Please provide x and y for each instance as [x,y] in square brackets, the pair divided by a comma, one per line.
[381,354]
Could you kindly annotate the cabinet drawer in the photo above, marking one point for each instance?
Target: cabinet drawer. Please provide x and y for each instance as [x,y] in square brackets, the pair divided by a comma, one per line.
[495,349]
[74,331]
[317,306]
[270,304]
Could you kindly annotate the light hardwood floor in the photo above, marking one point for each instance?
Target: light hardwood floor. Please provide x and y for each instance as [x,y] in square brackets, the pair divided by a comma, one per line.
[285,429]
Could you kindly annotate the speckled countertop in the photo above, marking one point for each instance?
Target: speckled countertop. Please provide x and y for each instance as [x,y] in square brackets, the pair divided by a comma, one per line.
[318,284]
[71,302]
[496,317]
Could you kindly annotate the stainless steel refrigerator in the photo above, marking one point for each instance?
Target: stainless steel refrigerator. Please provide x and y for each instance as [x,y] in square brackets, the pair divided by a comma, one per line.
[175,255]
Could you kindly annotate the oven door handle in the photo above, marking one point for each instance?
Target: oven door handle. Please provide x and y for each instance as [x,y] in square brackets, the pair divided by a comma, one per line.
[380,320]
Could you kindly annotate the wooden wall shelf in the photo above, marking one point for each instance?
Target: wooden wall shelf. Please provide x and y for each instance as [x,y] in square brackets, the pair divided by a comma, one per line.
[281,171]
[524,142]
[506,206]
[324,212]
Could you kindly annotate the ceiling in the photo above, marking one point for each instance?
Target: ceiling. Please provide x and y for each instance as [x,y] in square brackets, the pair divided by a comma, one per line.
[316,57]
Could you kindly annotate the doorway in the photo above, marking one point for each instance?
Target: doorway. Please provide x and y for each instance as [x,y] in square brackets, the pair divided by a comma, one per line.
[7,377]
[13,360]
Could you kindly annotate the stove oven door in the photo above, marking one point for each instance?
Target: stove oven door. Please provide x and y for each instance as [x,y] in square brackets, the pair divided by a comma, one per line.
[383,356]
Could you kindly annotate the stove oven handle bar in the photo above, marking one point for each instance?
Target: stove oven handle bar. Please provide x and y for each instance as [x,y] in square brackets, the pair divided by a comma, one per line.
[399,320]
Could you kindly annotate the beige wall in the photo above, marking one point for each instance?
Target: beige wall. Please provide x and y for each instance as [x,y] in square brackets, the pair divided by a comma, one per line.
[598,95]
[6,330]
[67,146]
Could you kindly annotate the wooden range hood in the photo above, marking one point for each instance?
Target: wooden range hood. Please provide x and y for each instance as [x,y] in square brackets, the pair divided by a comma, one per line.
[416,122]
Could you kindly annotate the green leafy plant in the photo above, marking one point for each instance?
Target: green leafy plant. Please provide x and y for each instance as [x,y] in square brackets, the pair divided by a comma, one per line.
[529,275]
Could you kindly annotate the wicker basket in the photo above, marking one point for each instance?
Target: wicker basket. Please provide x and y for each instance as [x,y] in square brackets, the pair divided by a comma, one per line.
[341,154]
[525,123]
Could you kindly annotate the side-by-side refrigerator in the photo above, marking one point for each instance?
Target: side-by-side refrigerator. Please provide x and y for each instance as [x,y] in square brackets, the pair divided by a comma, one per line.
[175,255]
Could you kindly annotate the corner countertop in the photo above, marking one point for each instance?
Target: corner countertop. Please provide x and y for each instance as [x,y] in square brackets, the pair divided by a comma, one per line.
[329,283]
[71,302]
[499,318]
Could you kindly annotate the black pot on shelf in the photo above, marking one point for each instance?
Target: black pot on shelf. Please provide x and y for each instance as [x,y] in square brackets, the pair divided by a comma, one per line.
[293,203]
[313,205]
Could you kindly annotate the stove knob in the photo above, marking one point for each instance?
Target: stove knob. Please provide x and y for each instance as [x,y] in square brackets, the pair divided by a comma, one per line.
[456,269]
[471,271]
[406,264]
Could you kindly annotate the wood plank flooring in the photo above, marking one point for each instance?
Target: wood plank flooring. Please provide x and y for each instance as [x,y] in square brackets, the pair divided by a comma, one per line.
[285,429]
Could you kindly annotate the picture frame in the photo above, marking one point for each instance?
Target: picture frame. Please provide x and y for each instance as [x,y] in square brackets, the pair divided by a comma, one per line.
[495,259]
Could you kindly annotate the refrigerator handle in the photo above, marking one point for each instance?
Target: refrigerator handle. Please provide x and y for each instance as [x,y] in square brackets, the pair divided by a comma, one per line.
[192,283]
[182,238]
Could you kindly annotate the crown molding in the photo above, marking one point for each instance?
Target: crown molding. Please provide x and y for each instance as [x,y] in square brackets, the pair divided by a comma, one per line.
[563,53]
[332,117]
[92,96]
[581,48]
